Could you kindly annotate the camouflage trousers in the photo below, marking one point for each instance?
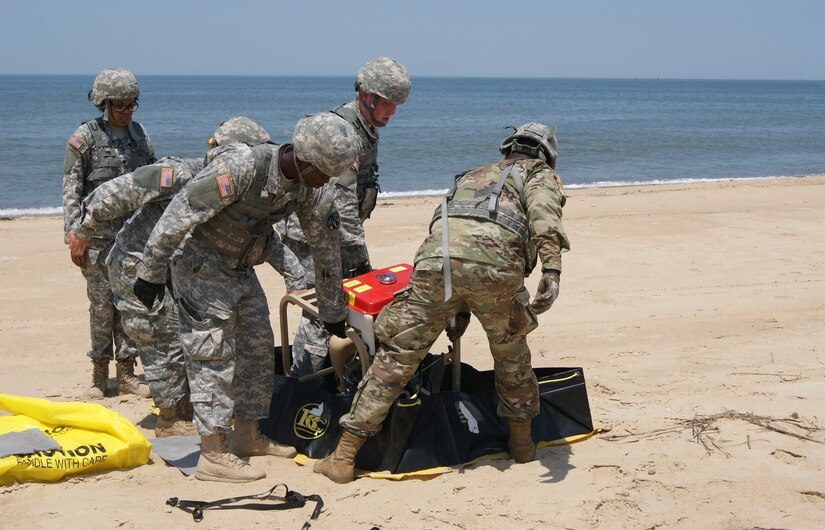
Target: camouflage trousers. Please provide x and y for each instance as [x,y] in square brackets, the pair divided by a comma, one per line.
[155,332]
[311,345]
[227,338]
[409,325]
[106,328]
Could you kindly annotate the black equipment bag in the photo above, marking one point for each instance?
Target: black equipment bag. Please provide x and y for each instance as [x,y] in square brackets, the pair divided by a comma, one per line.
[430,425]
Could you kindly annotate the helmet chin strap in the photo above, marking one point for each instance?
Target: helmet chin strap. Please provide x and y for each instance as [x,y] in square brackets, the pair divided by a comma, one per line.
[298,169]
[371,108]
[309,169]
[106,111]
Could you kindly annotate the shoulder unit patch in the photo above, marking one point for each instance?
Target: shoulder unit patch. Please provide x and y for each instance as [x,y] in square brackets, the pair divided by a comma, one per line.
[333,221]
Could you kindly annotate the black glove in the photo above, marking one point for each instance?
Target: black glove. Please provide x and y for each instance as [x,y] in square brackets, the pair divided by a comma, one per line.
[147,292]
[337,328]
[357,271]
[457,326]
[547,291]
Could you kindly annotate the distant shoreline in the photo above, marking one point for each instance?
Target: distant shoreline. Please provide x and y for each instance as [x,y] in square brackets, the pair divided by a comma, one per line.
[348,76]
[57,211]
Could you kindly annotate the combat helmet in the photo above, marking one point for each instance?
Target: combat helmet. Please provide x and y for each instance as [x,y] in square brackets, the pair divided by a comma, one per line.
[326,141]
[384,77]
[113,83]
[238,129]
[533,139]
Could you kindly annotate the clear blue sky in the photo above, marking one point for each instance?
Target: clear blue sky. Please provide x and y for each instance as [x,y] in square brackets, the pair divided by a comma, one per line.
[721,39]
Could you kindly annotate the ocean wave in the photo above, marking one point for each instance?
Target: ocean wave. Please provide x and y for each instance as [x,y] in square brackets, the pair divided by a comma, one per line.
[12,213]
[657,182]
[417,193]
[599,184]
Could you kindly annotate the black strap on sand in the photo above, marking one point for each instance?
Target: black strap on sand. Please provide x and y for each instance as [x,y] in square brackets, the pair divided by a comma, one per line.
[291,499]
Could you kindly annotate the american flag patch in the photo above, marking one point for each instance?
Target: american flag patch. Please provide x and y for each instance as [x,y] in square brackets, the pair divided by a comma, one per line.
[356,165]
[77,143]
[167,177]
[224,185]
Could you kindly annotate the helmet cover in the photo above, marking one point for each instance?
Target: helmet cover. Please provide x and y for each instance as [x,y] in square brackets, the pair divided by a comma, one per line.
[240,129]
[326,141]
[533,139]
[384,77]
[113,83]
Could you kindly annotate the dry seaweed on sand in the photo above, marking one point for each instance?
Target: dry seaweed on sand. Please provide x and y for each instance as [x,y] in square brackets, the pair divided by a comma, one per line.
[702,427]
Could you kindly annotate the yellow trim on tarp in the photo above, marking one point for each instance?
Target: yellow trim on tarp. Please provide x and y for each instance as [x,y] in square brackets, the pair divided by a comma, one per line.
[303,460]
[568,378]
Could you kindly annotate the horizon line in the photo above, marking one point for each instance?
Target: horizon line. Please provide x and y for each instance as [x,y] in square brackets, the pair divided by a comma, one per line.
[617,78]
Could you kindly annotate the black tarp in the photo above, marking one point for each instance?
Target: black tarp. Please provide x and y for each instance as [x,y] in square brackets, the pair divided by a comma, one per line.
[430,425]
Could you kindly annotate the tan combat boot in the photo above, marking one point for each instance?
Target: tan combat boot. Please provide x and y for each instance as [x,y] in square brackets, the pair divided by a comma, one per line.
[100,377]
[520,443]
[247,440]
[340,465]
[127,381]
[172,423]
[216,463]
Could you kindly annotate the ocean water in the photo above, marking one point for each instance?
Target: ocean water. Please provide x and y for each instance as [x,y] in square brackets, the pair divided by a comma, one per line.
[610,131]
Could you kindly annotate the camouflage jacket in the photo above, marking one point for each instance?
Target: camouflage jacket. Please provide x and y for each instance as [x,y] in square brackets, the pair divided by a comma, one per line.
[226,179]
[364,178]
[94,156]
[485,241]
[351,237]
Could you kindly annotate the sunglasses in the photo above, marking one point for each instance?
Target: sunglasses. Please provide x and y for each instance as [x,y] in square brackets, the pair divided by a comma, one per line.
[120,107]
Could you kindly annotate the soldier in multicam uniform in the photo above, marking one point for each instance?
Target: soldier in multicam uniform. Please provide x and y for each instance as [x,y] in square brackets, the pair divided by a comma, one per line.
[149,190]
[380,85]
[499,219]
[98,151]
[226,334]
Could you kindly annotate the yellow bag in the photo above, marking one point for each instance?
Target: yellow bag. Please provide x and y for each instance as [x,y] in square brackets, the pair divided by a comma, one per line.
[93,438]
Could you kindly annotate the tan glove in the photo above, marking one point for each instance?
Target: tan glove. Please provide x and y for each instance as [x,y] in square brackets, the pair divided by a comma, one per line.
[547,291]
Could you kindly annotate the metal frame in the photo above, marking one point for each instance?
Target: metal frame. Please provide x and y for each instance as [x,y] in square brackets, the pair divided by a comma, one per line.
[308,301]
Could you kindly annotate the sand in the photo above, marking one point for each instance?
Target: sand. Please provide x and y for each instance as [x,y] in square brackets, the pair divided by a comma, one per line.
[697,312]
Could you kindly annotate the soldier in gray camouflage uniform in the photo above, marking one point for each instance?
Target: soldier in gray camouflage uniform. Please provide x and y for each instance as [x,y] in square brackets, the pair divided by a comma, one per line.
[226,334]
[98,151]
[499,219]
[149,190]
[380,85]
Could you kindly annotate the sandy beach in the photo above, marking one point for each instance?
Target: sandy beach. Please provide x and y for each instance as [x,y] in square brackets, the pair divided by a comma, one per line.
[696,310]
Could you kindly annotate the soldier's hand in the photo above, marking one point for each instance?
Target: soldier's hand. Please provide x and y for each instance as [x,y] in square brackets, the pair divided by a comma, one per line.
[547,291]
[361,269]
[457,326]
[338,329]
[148,292]
[77,248]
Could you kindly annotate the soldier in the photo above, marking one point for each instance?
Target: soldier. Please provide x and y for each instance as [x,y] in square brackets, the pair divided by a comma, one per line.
[493,224]
[380,85]
[226,334]
[98,151]
[149,190]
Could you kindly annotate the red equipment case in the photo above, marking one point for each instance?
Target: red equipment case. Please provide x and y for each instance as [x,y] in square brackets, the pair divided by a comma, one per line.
[369,292]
